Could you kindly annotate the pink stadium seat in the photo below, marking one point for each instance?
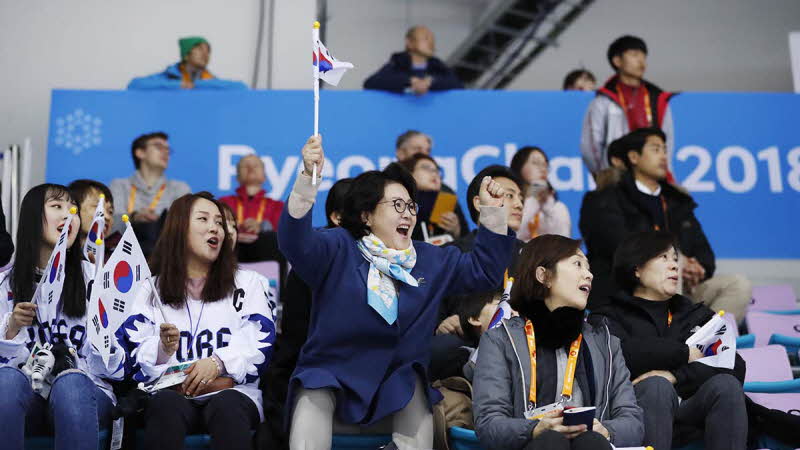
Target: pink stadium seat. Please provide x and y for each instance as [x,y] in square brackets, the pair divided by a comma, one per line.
[764,325]
[773,298]
[768,363]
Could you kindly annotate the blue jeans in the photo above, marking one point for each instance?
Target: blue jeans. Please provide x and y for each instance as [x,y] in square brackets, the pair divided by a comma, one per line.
[75,412]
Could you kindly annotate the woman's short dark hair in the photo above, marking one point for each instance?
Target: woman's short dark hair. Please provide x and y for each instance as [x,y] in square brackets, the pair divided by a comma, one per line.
[576,75]
[493,171]
[411,163]
[635,251]
[335,201]
[30,232]
[545,251]
[169,256]
[367,190]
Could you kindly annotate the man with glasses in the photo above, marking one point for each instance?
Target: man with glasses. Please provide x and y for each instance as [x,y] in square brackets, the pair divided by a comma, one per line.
[147,194]
[446,360]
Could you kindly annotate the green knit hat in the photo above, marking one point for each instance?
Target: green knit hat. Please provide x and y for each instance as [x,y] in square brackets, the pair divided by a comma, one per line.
[188,43]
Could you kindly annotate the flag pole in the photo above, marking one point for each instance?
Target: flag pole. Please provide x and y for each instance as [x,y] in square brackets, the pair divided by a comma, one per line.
[315,49]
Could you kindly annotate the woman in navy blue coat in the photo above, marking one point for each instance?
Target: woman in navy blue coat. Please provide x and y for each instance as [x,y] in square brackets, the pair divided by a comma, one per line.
[375,302]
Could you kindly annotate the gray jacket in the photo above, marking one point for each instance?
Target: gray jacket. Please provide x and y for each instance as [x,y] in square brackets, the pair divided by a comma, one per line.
[500,388]
[121,190]
[604,123]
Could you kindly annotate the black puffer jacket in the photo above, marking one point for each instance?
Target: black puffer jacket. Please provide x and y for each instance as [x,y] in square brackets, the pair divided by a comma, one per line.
[608,216]
[649,344]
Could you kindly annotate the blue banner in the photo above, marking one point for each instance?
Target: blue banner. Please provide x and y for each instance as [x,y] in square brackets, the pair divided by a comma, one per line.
[738,154]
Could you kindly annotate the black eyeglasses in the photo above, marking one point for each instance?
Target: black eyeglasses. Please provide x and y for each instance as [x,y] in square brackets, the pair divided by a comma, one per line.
[401,205]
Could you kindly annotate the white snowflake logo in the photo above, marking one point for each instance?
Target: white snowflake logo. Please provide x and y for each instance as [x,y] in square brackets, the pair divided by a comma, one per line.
[78,131]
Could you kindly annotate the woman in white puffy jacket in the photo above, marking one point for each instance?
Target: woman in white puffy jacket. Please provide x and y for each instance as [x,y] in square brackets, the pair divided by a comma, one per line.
[208,314]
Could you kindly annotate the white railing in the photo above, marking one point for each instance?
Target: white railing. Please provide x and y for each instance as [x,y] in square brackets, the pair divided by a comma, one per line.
[16,176]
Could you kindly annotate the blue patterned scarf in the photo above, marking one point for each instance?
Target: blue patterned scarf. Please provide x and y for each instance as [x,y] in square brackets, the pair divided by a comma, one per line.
[386,264]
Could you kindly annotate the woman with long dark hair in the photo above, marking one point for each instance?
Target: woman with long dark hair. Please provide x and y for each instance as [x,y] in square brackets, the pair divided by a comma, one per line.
[376,298]
[207,313]
[533,367]
[542,212]
[80,398]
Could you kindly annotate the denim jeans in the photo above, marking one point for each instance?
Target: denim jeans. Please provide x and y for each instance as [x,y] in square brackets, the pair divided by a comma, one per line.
[75,412]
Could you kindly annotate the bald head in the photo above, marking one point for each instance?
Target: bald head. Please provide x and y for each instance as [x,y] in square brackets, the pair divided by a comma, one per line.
[250,171]
[420,41]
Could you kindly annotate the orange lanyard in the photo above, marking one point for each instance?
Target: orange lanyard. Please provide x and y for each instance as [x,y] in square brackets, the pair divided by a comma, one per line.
[669,318]
[646,104]
[533,226]
[132,198]
[569,373]
[240,210]
[664,208]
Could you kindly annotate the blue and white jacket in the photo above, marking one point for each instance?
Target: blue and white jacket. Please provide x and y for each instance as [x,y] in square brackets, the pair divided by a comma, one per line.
[239,329]
[71,330]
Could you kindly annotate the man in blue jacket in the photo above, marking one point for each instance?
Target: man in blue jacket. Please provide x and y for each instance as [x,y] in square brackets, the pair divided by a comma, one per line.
[415,70]
[189,73]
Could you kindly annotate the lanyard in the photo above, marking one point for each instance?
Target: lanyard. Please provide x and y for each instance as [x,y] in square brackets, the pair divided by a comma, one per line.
[666,217]
[240,210]
[533,225]
[132,198]
[669,318]
[569,373]
[196,326]
[646,105]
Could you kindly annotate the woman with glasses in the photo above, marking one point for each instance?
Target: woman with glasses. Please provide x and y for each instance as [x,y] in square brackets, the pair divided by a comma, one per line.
[542,212]
[428,176]
[375,301]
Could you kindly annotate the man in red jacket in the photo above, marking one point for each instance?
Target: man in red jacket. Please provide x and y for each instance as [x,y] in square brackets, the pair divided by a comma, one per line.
[256,214]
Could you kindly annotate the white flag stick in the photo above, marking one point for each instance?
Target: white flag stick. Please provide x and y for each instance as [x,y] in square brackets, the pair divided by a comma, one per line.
[315,49]
[157,299]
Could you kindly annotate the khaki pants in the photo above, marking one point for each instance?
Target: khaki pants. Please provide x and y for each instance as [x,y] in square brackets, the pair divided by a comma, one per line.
[313,422]
[731,293]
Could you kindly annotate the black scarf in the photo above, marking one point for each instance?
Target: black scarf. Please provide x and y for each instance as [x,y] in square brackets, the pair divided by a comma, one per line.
[554,329]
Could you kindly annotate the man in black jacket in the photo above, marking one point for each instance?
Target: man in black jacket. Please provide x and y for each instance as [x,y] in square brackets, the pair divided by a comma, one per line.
[415,70]
[643,200]
[449,334]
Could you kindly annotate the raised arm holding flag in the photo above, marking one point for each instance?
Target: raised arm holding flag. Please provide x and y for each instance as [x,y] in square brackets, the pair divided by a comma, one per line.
[328,69]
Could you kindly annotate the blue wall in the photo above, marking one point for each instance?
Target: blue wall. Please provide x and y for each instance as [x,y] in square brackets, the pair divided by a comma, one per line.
[739,154]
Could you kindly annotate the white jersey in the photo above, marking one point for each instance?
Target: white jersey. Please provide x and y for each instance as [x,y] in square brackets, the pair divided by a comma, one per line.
[239,329]
[70,330]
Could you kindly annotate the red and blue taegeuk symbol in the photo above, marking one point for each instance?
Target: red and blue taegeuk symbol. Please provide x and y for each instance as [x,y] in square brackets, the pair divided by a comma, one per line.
[54,267]
[123,277]
[93,234]
[101,312]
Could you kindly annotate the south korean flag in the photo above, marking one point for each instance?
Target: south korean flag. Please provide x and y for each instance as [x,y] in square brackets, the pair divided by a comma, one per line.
[48,292]
[94,249]
[717,341]
[114,290]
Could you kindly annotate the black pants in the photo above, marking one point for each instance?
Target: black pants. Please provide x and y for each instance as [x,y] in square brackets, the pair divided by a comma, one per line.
[228,417]
[553,440]
[717,408]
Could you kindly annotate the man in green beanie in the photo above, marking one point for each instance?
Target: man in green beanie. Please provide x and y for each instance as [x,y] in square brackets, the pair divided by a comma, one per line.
[189,73]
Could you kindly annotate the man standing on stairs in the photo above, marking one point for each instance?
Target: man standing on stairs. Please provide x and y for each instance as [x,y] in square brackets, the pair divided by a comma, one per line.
[625,103]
